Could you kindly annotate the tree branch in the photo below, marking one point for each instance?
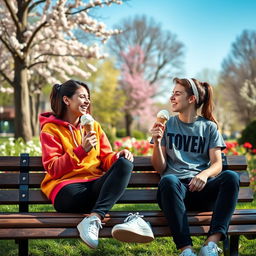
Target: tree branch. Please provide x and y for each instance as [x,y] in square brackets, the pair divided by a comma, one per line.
[36,63]
[35,4]
[89,7]
[6,78]
[34,34]
[13,15]
[11,50]
[59,55]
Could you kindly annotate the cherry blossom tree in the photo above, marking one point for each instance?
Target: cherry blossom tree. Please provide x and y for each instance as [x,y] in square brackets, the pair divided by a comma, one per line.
[163,52]
[39,44]
[138,90]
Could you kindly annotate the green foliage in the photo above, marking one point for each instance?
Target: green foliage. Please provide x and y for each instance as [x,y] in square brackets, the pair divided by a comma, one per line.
[12,147]
[107,100]
[121,133]
[139,135]
[249,134]
[110,132]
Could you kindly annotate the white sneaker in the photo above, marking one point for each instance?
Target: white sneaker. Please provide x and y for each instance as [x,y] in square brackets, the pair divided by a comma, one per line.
[210,250]
[89,230]
[133,230]
[187,252]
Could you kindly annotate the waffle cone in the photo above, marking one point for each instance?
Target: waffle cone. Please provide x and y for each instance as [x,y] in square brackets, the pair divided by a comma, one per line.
[161,120]
[88,127]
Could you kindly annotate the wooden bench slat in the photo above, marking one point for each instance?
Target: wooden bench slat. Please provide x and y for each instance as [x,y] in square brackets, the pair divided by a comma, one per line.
[43,222]
[142,163]
[129,197]
[35,233]
[113,214]
[11,180]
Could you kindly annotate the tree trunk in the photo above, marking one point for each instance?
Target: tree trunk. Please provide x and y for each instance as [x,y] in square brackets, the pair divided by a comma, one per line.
[21,97]
[128,124]
[34,110]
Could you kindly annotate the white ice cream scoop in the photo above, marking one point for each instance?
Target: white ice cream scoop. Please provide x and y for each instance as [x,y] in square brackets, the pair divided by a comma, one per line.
[163,116]
[87,121]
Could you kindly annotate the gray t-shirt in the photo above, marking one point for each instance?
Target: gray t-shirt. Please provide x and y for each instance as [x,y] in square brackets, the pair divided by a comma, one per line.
[187,146]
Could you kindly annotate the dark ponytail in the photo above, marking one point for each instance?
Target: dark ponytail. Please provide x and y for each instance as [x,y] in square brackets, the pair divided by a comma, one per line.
[57,103]
[207,108]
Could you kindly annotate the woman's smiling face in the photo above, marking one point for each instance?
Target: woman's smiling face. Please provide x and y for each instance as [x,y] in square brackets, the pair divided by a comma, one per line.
[79,103]
[179,98]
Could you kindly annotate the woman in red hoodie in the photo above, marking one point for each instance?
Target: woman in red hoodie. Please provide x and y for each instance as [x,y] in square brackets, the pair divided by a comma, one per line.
[83,174]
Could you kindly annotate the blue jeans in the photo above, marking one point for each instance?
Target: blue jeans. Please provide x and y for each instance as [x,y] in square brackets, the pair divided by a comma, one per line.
[219,195]
[98,195]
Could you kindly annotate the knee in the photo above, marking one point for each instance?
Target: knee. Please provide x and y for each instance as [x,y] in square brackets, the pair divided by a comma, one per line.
[124,164]
[231,178]
[170,182]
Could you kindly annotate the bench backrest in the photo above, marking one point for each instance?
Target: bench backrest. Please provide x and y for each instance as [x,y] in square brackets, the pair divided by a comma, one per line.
[20,179]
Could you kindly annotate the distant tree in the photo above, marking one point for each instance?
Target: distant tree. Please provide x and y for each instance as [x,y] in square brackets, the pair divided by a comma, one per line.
[107,99]
[238,67]
[248,93]
[39,42]
[138,90]
[163,53]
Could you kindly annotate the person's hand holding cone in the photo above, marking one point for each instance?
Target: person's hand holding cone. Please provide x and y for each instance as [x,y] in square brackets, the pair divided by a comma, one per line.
[88,122]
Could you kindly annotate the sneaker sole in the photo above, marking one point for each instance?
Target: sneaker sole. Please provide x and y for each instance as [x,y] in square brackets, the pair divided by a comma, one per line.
[79,227]
[131,237]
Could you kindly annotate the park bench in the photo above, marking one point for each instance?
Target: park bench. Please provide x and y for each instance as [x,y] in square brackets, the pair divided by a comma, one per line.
[20,179]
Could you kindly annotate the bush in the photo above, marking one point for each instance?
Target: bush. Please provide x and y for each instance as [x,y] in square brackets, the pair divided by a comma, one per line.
[110,132]
[121,133]
[138,135]
[249,134]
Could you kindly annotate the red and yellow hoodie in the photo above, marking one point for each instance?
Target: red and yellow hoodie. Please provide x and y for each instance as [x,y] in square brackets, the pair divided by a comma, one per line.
[64,158]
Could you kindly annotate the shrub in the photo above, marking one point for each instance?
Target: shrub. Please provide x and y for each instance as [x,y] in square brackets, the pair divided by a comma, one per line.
[110,132]
[120,133]
[249,134]
[139,135]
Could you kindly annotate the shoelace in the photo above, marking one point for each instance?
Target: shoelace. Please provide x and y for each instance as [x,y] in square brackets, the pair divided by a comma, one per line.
[132,217]
[94,227]
[213,247]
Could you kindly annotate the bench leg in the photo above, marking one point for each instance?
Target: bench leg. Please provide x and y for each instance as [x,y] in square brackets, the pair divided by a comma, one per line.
[234,245]
[22,247]
[226,250]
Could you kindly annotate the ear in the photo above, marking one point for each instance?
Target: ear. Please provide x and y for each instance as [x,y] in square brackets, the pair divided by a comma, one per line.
[66,100]
[192,99]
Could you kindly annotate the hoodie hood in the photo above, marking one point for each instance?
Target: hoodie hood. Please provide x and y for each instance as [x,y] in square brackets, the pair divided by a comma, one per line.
[49,117]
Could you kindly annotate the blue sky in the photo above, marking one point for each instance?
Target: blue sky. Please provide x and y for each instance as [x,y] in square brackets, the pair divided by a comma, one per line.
[207,28]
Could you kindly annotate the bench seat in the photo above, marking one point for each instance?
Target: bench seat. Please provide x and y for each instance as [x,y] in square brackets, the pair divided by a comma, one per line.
[20,179]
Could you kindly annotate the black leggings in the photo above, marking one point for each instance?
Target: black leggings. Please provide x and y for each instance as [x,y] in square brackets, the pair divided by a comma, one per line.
[98,195]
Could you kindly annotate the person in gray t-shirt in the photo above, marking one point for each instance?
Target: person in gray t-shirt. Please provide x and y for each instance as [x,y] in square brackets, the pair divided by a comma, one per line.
[187,154]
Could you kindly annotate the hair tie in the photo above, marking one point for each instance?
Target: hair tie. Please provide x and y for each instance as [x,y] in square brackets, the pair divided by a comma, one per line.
[58,87]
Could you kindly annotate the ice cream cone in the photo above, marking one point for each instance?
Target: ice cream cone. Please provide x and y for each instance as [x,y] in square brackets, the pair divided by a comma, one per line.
[162,116]
[161,120]
[88,127]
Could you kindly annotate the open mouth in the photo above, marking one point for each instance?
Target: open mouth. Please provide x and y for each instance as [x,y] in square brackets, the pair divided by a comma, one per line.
[84,107]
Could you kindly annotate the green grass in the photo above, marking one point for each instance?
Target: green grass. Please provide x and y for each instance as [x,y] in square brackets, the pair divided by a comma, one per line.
[111,247]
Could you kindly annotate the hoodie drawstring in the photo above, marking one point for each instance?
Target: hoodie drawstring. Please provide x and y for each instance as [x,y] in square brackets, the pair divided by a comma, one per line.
[73,135]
